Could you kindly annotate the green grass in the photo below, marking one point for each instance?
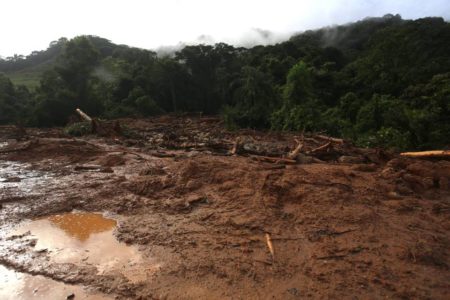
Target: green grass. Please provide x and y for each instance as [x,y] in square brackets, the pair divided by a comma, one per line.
[29,77]
[30,80]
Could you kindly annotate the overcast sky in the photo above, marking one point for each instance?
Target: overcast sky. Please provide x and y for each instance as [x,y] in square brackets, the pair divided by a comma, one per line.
[27,25]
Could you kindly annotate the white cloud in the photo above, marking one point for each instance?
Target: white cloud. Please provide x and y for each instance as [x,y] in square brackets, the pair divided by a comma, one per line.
[28,25]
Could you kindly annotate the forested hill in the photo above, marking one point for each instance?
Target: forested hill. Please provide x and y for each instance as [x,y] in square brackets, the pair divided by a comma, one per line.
[28,69]
[380,81]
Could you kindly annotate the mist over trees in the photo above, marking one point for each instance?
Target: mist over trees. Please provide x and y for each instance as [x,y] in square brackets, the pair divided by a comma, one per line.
[380,82]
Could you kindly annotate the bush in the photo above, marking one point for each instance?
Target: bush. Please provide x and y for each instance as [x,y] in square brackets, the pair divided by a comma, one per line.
[78,129]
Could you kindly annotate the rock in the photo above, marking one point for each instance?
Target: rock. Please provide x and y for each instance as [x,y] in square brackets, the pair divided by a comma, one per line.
[345,159]
[71,296]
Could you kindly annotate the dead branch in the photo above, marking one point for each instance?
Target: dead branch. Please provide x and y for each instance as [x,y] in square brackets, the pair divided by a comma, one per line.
[320,148]
[235,146]
[296,151]
[429,154]
[270,245]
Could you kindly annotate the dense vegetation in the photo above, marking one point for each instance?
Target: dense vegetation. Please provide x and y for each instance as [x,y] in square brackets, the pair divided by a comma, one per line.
[380,81]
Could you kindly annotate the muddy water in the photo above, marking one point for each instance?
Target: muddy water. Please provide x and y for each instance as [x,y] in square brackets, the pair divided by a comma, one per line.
[87,238]
[19,286]
[18,179]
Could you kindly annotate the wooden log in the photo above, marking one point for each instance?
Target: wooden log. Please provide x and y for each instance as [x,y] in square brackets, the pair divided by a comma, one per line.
[270,245]
[427,154]
[323,137]
[320,148]
[234,150]
[83,115]
[296,151]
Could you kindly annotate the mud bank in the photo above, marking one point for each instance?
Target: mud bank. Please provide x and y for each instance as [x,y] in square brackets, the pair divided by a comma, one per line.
[196,203]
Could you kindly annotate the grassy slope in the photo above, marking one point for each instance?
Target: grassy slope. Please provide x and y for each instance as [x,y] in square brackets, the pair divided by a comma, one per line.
[30,76]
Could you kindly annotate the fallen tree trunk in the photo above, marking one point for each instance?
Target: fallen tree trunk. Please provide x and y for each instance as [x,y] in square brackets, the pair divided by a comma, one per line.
[101,127]
[270,246]
[427,154]
[321,148]
[331,139]
[235,146]
[83,115]
[296,151]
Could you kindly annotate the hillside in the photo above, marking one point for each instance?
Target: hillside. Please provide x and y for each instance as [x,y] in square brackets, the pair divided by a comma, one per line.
[27,70]
[223,172]
[379,82]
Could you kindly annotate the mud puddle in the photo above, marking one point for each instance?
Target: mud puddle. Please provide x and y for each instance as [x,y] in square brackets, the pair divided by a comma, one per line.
[20,286]
[87,239]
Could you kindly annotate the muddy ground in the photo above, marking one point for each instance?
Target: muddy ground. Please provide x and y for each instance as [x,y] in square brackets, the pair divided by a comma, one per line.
[344,223]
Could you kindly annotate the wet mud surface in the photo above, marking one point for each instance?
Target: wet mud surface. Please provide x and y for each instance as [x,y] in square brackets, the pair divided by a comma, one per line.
[168,213]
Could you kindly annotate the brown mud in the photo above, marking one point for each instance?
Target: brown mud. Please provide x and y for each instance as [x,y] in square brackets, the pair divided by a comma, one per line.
[343,222]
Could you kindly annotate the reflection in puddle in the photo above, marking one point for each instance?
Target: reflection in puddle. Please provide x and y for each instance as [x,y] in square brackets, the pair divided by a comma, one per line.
[81,225]
[87,238]
[19,286]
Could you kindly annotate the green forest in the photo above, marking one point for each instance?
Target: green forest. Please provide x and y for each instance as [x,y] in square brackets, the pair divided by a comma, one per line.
[379,82]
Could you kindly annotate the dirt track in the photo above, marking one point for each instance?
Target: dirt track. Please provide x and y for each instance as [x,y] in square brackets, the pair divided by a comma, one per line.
[368,227]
